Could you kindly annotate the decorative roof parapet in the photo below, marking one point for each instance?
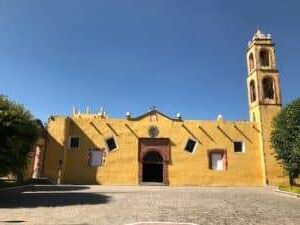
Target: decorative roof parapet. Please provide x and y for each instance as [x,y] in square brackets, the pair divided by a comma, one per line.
[88,113]
[151,113]
[258,35]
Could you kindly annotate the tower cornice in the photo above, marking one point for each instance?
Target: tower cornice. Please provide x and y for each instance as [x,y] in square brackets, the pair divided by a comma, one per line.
[264,70]
[260,38]
[250,45]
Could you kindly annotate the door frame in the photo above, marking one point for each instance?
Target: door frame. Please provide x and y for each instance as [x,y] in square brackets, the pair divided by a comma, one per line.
[161,146]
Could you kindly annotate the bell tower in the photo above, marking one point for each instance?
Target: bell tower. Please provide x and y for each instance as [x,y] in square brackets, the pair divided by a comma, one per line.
[263,78]
[264,95]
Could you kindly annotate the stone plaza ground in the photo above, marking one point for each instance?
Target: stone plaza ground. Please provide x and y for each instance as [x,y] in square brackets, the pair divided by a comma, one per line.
[104,205]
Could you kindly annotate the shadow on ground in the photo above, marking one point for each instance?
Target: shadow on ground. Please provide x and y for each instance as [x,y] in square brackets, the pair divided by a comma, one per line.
[52,196]
[61,188]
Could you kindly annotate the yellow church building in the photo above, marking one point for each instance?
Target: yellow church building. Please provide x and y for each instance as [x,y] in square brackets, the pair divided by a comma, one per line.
[154,148]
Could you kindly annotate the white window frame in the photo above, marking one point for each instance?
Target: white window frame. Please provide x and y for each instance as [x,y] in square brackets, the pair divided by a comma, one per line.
[195,147]
[222,161]
[70,142]
[117,146]
[243,147]
[101,157]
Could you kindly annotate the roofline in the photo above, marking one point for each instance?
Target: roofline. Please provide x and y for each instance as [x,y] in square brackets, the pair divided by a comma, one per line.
[151,113]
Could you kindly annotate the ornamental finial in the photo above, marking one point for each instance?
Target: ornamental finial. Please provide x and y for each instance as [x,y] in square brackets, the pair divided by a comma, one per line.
[260,35]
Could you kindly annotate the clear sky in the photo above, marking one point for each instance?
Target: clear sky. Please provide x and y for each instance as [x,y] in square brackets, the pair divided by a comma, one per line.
[181,56]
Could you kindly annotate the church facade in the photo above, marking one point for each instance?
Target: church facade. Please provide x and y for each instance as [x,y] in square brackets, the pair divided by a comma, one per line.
[154,148]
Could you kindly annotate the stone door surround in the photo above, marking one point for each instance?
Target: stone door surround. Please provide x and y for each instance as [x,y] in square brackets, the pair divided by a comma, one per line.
[161,146]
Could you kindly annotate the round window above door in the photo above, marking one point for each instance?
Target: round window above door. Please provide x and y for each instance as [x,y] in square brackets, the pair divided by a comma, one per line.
[153,131]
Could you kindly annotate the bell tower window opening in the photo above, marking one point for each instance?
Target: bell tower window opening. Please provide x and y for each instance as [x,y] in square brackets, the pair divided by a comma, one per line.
[251,62]
[264,58]
[252,91]
[268,87]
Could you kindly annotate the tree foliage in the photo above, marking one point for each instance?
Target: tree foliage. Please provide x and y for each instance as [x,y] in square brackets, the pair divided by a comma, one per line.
[285,138]
[18,133]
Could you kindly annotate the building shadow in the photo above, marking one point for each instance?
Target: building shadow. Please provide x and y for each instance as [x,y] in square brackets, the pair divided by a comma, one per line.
[13,221]
[52,196]
[63,164]
[58,188]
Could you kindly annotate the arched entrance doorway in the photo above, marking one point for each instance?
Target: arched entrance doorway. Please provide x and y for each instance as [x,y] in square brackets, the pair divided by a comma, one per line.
[154,156]
[153,167]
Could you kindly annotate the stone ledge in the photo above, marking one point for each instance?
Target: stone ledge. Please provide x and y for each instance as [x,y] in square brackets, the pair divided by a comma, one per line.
[288,193]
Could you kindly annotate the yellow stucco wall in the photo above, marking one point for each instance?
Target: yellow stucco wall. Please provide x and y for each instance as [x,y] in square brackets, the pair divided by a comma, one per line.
[121,166]
[57,128]
[274,171]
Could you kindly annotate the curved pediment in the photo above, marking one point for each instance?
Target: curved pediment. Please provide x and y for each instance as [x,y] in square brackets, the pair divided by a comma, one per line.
[153,113]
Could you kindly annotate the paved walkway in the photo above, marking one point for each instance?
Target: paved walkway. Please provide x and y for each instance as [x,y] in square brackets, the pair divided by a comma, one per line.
[128,205]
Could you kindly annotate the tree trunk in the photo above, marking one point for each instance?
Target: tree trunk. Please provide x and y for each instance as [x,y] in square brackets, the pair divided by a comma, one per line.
[291,179]
[20,178]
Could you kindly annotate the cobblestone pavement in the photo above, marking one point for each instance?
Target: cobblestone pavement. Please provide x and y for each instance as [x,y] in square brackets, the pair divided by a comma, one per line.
[128,205]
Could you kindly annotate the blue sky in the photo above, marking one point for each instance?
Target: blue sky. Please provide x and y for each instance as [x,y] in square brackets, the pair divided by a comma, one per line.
[181,56]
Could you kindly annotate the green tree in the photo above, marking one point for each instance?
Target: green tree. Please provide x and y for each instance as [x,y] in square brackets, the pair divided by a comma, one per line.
[285,138]
[18,133]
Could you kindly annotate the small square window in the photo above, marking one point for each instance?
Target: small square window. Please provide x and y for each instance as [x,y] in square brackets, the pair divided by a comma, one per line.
[74,142]
[239,146]
[111,144]
[190,146]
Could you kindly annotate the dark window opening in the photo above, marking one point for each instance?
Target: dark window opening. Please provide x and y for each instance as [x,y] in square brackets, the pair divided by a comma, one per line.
[251,62]
[238,146]
[252,91]
[74,142]
[268,87]
[190,146]
[264,58]
[111,144]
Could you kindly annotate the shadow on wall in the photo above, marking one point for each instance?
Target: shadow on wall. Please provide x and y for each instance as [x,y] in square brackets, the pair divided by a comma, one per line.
[52,160]
[78,172]
[52,196]
[84,174]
